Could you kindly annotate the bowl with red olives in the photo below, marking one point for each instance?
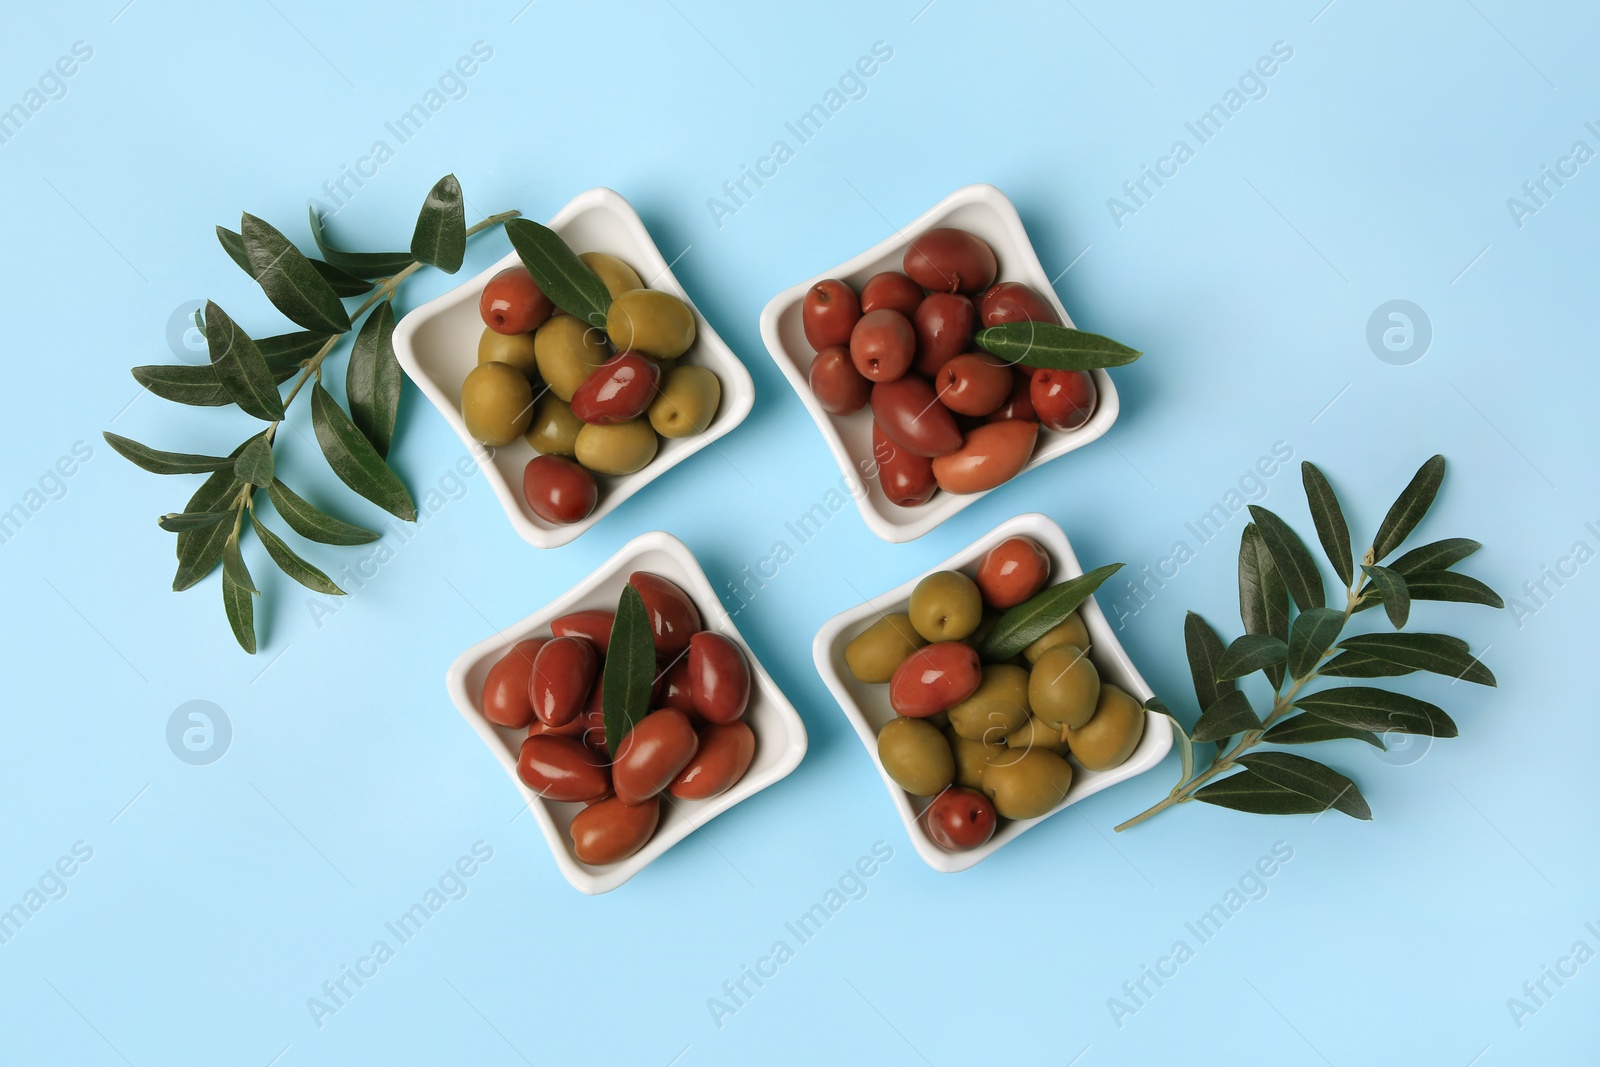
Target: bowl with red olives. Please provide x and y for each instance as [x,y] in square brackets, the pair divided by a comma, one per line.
[991,692]
[709,727]
[884,352]
[569,413]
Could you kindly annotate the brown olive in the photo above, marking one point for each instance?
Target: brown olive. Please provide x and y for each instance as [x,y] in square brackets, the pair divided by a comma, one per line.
[609,830]
[947,260]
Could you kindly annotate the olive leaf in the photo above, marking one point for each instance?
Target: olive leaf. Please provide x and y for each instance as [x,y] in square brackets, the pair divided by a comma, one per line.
[1312,634]
[361,264]
[1435,556]
[341,282]
[630,669]
[1247,791]
[312,523]
[290,563]
[440,238]
[1448,585]
[1437,653]
[1250,653]
[254,464]
[1263,598]
[1354,664]
[233,563]
[1292,560]
[200,550]
[239,604]
[1320,786]
[1309,727]
[353,458]
[1231,714]
[1367,708]
[289,280]
[1204,649]
[240,367]
[1409,508]
[1180,738]
[1328,518]
[179,522]
[1391,586]
[1045,344]
[285,353]
[559,273]
[158,462]
[197,386]
[1024,624]
[373,379]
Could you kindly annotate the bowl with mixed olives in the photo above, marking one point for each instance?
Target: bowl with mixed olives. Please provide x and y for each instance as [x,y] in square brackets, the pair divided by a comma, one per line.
[991,692]
[571,410]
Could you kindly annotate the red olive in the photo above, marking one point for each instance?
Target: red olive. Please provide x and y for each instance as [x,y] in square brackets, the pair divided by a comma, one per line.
[829,312]
[973,383]
[907,479]
[891,290]
[558,490]
[911,416]
[960,819]
[512,302]
[944,326]
[593,624]
[836,383]
[1064,399]
[719,677]
[947,260]
[725,752]
[619,389]
[1012,571]
[1014,302]
[659,746]
[609,830]
[563,672]
[505,690]
[593,721]
[562,768]
[673,616]
[992,454]
[935,678]
[1019,404]
[882,345]
[674,688]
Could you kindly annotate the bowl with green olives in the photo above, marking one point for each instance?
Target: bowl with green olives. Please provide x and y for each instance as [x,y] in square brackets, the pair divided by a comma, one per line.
[571,413]
[882,351]
[991,692]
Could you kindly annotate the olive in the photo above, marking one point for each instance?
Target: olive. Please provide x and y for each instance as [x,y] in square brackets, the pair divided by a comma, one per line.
[946,260]
[719,677]
[835,382]
[512,302]
[1111,734]
[1035,734]
[996,708]
[505,691]
[1063,687]
[620,389]
[620,448]
[916,755]
[828,313]
[554,429]
[959,820]
[674,688]
[945,606]
[1069,631]
[563,671]
[912,417]
[891,290]
[1019,404]
[687,402]
[568,351]
[1028,785]
[906,479]
[652,753]
[971,758]
[1014,302]
[990,455]
[934,678]
[1013,571]
[656,323]
[673,617]
[593,624]
[943,324]
[496,403]
[608,830]
[558,490]
[973,383]
[874,653]
[616,275]
[515,349]
[593,721]
[882,345]
[1064,399]
[725,752]
[562,768]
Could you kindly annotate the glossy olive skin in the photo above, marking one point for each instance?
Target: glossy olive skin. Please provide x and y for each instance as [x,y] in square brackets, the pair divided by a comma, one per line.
[944,324]
[906,479]
[972,757]
[563,672]
[1063,687]
[1014,302]
[512,302]
[620,389]
[659,746]
[675,689]
[554,429]
[725,752]
[673,617]
[1012,571]
[1064,399]
[945,606]
[568,351]
[616,275]
[686,403]
[916,755]
[719,677]
[947,260]
[515,349]
[651,321]
[1069,631]
[996,708]
[829,312]
[911,416]
[616,449]
[1111,735]
[882,345]
[592,624]
[1035,734]
[504,699]
[891,290]
[1028,784]
[1018,404]
[934,678]
[874,653]
[959,820]
[991,455]
[558,490]
[835,382]
[973,383]
[496,403]
[609,831]
[562,768]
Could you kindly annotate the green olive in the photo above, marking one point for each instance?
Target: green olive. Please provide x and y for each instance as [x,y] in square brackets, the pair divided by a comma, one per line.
[1029,785]
[999,705]
[513,348]
[497,403]
[1063,687]
[686,403]
[1111,734]
[617,275]
[916,756]
[650,321]
[567,352]
[874,653]
[946,606]
[971,759]
[1069,631]
[619,448]
[1035,734]
[554,430]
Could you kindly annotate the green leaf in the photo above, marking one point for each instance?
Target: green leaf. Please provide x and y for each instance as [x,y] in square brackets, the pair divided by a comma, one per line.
[1409,508]
[289,280]
[1205,650]
[238,602]
[1180,739]
[285,352]
[1309,727]
[1232,714]
[1313,633]
[1329,520]
[342,283]
[1247,791]
[197,386]
[314,524]
[1438,653]
[1293,561]
[374,378]
[559,273]
[1363,707]
[199,551]
[1391,586]
[158,462]
[440,238]
[1448,585]
[630,669]
[233,244]
[1310,778]
[1252,652]
[240,367]
[179,522]
[1361,665]
[361,264]
[1045,344]
[353,458]
[1436,555]
[1027,622]
[291,564]
[1263,598]
[254,464]
[233,566]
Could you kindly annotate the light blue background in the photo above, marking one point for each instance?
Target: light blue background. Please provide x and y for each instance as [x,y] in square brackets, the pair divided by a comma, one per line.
[1378,165]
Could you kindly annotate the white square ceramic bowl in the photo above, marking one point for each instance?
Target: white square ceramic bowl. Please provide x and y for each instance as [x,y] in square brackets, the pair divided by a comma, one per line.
[979,209]
[780,733]
[437,344]
[867,706]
